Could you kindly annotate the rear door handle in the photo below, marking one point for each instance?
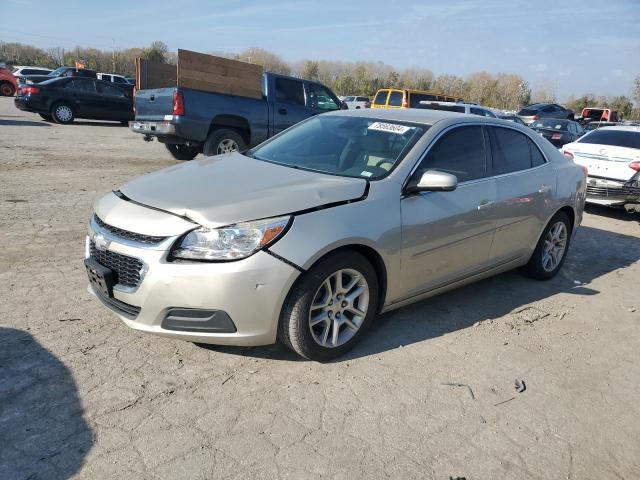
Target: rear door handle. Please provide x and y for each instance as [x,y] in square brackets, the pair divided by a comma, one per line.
[282,111]
[484,204]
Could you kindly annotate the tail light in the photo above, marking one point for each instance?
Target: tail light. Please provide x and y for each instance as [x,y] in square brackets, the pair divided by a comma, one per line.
[28,90]
[405,102]
[536,117]
[178,103]
[567,154]
[556,136]
[635,165]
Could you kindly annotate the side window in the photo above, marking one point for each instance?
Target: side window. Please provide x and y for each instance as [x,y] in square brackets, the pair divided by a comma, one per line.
[395,99]
[510,151]
[477,111]
[549,109]
[83,84]
[459,152]
[109,90]
[119,79]
[106,78]
[536,155]
[320,98]
[28,71]
[289,91]
[381,97]
[362,99]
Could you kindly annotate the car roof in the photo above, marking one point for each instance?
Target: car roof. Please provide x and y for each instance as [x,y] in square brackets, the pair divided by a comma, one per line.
[415,115]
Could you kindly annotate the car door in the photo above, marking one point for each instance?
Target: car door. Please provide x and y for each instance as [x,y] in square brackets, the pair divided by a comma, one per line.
[447,236]
[525,185]
[290,107]
[84,97]
[115,103]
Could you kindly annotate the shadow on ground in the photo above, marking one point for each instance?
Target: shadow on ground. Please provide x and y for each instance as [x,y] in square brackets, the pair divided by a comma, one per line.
[43,433]
[617,213]
[22,123]
[593,253]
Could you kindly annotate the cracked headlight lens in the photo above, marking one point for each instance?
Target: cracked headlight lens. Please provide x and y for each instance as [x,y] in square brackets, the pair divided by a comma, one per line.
[233,242]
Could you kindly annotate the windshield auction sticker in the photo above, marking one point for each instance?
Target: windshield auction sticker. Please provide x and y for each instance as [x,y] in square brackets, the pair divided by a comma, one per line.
[389,127]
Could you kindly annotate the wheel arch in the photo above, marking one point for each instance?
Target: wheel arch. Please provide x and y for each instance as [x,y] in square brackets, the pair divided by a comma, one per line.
[234,122]
[368,252]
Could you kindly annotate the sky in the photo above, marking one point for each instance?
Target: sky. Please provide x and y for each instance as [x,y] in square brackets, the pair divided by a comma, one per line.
[572,46]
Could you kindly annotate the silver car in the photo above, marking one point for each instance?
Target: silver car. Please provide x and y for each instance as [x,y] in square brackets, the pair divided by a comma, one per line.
[307,237]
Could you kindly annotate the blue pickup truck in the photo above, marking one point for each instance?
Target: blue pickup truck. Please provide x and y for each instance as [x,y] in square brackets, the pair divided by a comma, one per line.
[192,121]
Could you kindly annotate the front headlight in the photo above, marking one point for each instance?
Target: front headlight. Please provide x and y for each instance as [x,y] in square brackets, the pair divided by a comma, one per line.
[233,242]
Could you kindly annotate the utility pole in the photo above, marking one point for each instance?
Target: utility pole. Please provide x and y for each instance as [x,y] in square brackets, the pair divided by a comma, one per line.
[113,56]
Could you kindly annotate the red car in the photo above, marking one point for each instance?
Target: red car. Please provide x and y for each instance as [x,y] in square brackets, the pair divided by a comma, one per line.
[8,83]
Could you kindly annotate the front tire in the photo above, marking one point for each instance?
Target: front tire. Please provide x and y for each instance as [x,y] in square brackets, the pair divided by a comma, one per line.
[330,307]
[7,89]
[551,250]
[223,141]
[62,113]
[181,152]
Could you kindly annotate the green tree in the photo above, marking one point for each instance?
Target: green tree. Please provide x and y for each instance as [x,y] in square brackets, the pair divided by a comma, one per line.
[157,52]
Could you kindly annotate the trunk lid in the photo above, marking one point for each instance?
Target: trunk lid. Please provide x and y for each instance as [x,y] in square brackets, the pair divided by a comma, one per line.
[227,189]
[154,104]
[605,161]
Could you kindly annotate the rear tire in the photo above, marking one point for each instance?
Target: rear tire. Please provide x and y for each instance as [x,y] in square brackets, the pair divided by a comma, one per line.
[7,89]
[308,302]
[181,151]
[551,250]
[62,113]
[223,141]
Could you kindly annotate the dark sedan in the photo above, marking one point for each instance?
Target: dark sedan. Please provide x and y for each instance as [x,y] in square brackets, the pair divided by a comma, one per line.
[537,111]
[558,131]
[64,99]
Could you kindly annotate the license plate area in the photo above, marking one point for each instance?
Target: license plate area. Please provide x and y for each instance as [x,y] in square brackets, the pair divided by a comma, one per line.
[101,278]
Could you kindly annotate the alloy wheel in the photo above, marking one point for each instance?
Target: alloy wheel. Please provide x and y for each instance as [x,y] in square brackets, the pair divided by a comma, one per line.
[555,244]
[339,308]
[227,146]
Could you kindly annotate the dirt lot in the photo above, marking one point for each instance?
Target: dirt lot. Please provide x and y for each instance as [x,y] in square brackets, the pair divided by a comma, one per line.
[430,393]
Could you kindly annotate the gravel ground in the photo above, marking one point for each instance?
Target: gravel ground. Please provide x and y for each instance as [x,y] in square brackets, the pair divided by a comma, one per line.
[430,393]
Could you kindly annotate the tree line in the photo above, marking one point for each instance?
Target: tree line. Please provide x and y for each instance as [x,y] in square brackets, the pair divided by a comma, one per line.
[506,91]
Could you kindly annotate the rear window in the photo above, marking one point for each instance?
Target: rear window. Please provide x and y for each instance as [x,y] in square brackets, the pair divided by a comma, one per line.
[550,124]
[527,112]
[416,98]
[617,138]
[395,99]
[381,97]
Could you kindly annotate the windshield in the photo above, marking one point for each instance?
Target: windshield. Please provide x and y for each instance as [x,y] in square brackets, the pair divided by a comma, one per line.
[617,138]
[57,71]
[342,145]
[550,124]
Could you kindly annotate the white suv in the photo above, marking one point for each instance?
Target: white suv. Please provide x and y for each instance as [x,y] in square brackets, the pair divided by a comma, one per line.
[611,156]
[457,107]
[110,77]
[21,71]
[355,103]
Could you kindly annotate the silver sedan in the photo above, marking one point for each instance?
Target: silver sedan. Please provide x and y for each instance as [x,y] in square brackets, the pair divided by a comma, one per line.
[307,237]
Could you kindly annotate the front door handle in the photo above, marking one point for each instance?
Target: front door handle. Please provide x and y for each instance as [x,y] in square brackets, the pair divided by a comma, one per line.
[544,189]
[282,111]
[484,204]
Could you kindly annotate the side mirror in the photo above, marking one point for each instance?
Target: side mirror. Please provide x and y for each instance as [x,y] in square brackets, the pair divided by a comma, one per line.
[434,181]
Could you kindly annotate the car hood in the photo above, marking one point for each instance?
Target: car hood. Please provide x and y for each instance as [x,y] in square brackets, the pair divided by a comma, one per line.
[232,188]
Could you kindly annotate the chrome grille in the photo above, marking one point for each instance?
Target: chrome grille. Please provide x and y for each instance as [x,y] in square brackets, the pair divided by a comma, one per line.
[127,269]
[127,235]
